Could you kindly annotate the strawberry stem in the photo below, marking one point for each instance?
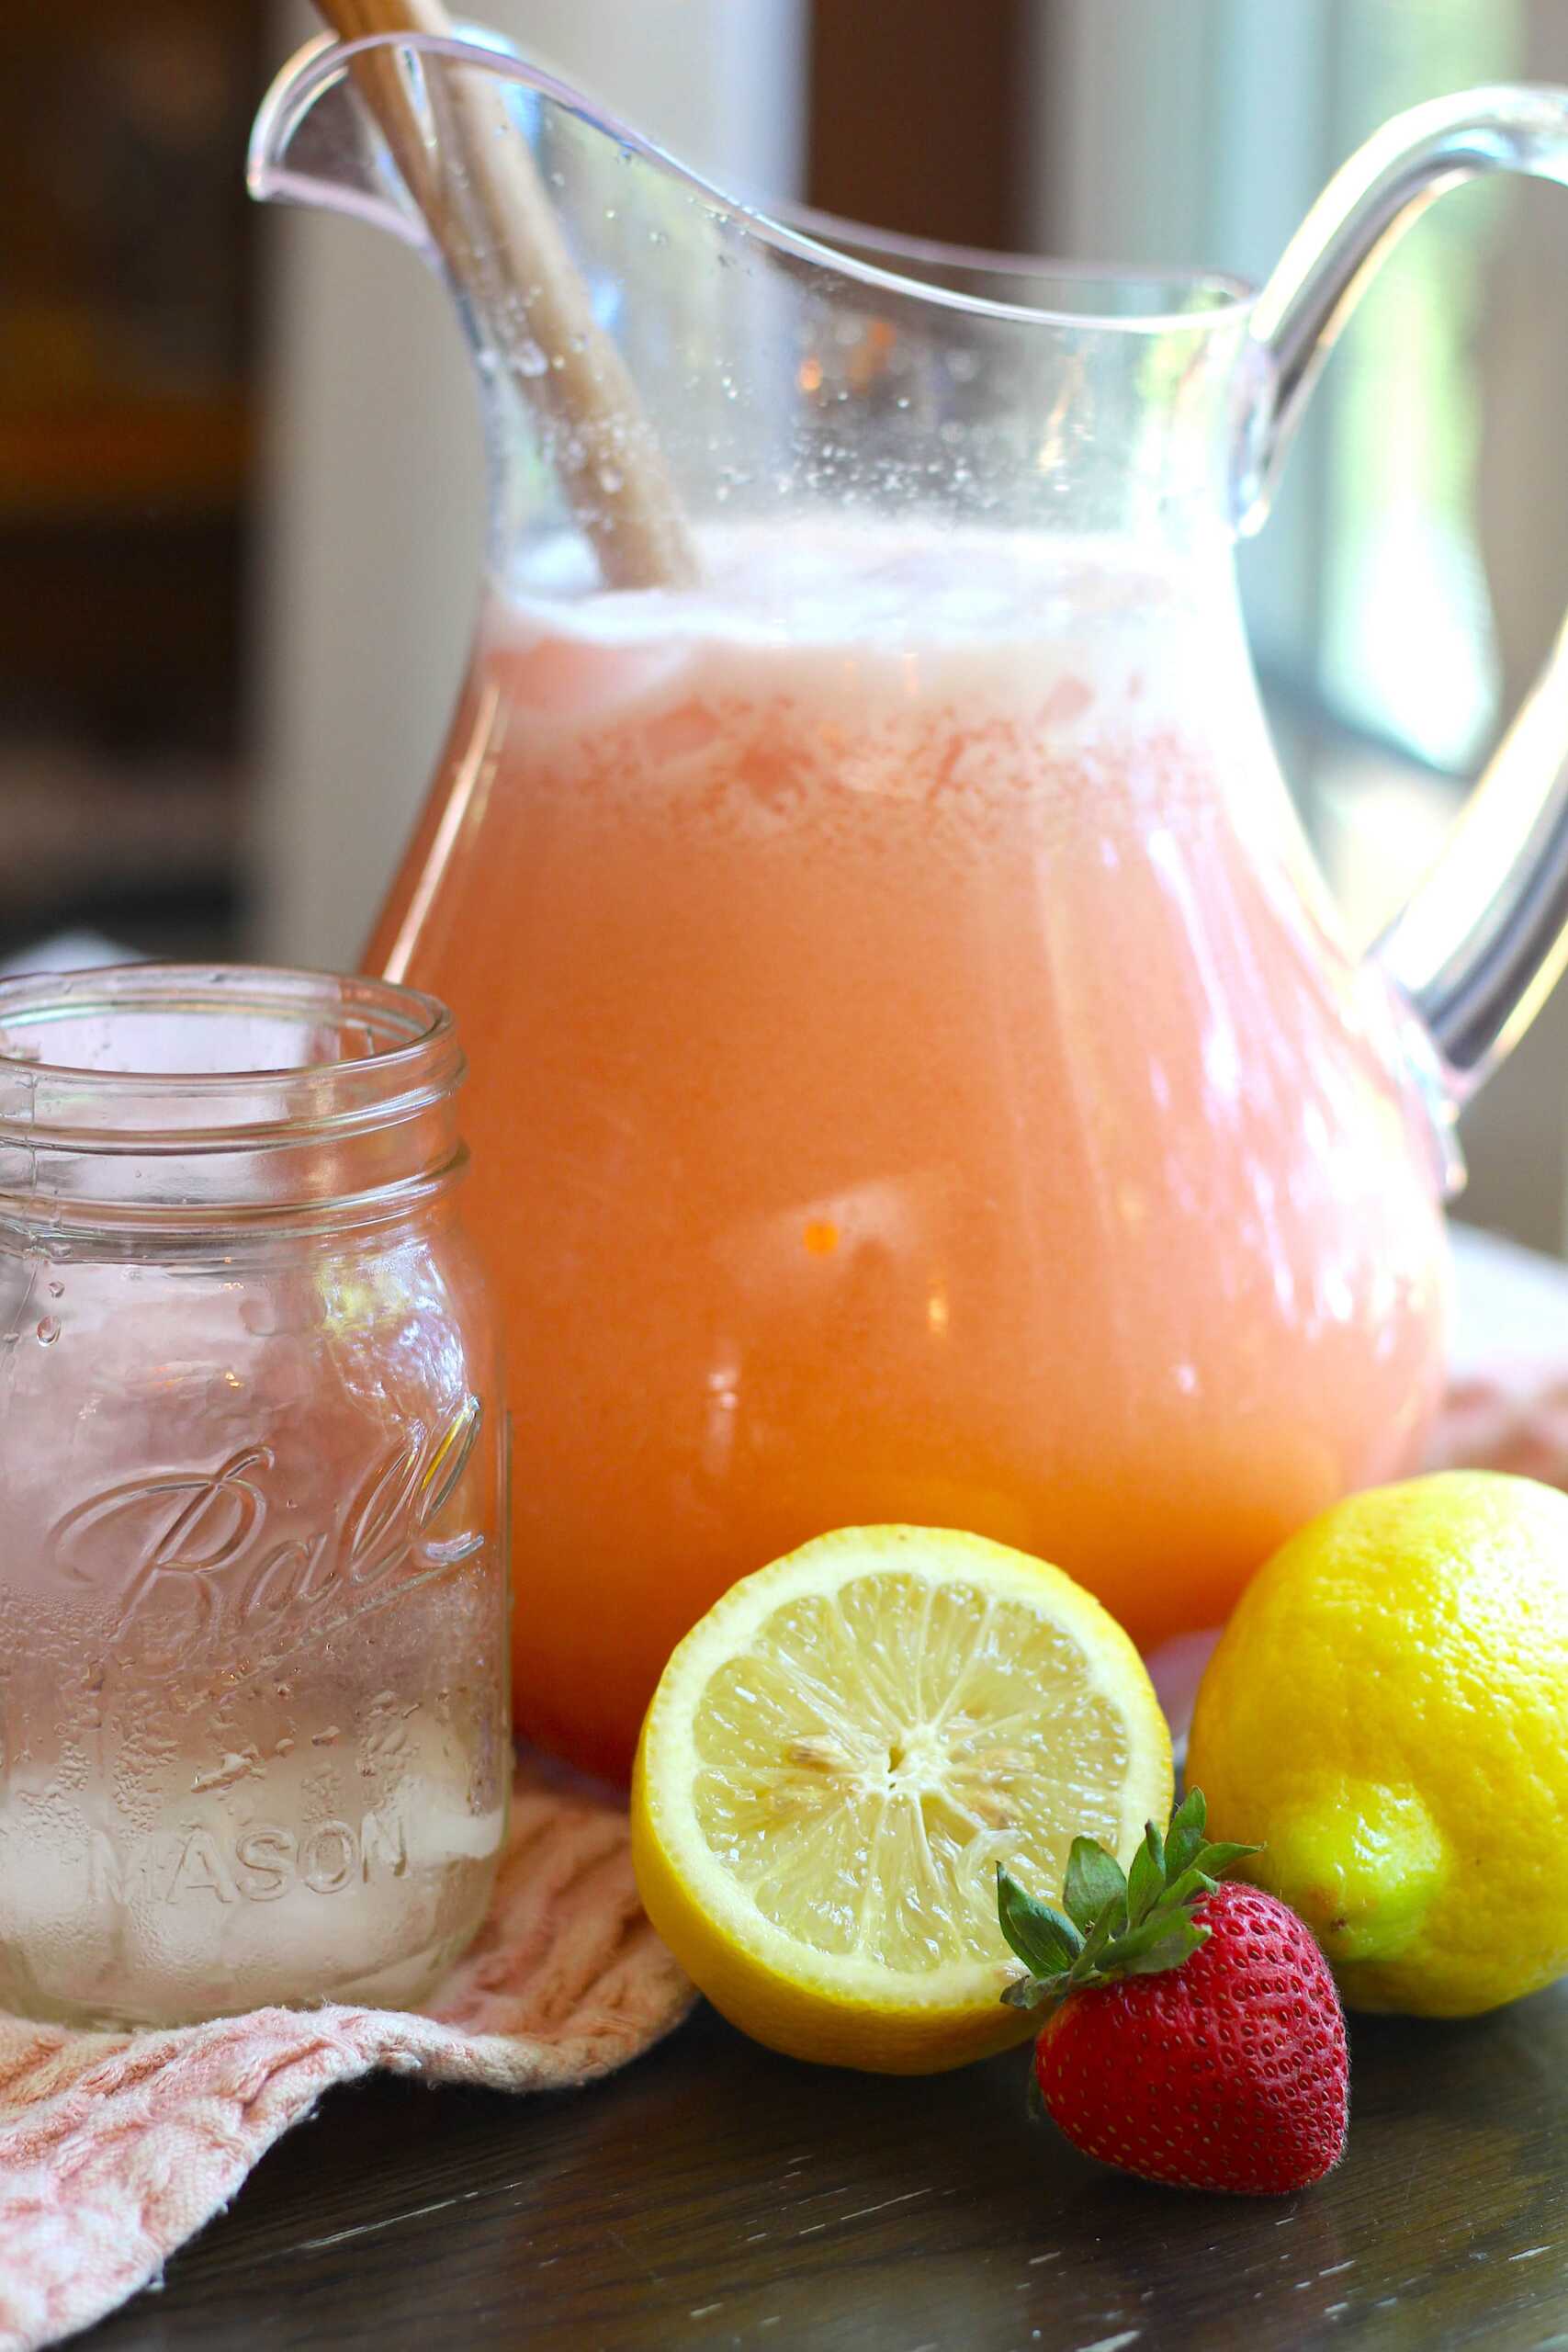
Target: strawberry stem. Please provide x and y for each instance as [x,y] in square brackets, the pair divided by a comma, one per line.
[1114,1923]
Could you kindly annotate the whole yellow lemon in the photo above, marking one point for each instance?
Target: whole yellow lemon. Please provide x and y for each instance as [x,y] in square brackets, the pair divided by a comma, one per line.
[1387,1716]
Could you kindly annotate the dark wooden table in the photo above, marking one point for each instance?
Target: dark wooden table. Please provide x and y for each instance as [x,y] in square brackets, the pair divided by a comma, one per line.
[716,2196]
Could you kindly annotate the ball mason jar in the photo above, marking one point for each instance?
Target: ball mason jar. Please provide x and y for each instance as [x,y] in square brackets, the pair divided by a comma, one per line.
[254,1732]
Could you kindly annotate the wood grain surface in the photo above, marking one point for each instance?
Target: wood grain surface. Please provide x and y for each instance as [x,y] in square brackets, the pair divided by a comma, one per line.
[716,2196]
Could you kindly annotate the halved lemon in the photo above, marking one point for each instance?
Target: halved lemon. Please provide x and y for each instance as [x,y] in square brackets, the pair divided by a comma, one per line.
[837,1757]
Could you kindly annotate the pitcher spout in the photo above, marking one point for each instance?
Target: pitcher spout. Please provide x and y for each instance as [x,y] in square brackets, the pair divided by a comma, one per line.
[315,143]
[440,141]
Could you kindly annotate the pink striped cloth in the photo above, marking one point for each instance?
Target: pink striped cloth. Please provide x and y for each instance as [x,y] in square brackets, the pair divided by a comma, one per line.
[115,2149]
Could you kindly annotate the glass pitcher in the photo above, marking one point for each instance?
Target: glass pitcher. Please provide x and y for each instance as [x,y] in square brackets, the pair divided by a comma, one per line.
[918,1074]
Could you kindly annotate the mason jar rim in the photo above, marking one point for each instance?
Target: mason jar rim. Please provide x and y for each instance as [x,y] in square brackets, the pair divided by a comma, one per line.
[195,1099]
[396,1047]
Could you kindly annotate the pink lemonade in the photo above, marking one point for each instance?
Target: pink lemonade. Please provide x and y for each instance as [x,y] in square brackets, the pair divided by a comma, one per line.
[914,1077]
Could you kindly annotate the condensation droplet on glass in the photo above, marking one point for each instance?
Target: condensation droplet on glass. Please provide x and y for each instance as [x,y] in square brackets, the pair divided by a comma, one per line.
[284,1746]
[325,1738]
[609,480]
[609,212]
[48,1331]
[57,1290]
[529,359]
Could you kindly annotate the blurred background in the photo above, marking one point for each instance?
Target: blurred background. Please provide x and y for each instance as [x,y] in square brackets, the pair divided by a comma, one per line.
[240,494]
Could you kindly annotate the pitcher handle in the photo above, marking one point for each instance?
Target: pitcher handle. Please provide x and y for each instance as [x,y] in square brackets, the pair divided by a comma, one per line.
[1486,933]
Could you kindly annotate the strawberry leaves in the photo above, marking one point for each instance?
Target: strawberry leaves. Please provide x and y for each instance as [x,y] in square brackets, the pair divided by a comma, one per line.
[1114,1923]
[1043,1940]
[1145,1879]
[1094,1884]
[1185,1833]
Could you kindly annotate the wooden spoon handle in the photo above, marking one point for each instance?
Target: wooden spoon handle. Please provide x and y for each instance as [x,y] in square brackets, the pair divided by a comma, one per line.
[500,237]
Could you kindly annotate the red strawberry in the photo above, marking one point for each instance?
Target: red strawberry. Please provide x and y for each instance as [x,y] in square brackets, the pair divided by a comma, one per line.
[1194,2035]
